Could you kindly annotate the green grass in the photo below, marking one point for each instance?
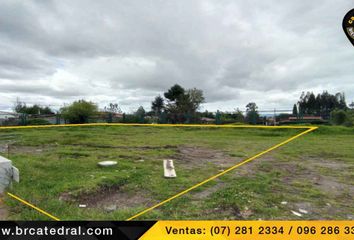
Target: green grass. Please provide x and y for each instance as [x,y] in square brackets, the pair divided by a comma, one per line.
[55,161]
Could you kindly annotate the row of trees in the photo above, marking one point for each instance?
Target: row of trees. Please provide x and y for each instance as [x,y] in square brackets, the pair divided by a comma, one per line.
[331,107]
[179,105]
[321,105]
[21,107]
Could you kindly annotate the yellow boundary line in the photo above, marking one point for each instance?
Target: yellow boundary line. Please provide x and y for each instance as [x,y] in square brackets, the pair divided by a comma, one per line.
[309,129]
[32,206]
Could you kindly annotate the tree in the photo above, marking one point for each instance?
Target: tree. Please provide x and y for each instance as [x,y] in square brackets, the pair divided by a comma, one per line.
[295,113]
[174,93]
[351,105]
[47,110]
[238,115]
[311,103]
[157,105]
[79,111]
[175,101]
[338,117]
[207,114]
[140,111]
[302,104]
[321,105]
[183,101]
[252,115]
[113,108]
[21,107]
[140,114]
[196,98]
[182,105]
[341,104]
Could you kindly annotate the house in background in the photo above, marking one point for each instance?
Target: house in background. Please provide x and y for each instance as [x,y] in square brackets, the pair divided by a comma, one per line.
[207,120]
[8,116]
[304,119]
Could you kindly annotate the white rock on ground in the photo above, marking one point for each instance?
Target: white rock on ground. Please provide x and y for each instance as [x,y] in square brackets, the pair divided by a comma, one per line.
[303,211]
[107,163]
[296,213]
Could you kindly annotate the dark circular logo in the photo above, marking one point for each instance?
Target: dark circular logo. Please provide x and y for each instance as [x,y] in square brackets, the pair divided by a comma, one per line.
[348,25]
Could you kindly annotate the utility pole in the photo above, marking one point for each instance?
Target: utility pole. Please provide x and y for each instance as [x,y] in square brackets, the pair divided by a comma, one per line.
[274,118]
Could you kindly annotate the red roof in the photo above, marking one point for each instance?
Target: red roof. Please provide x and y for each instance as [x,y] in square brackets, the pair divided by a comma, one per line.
[306,118]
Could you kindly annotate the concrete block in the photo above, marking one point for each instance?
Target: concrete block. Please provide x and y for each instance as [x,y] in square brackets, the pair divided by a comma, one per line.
[8,173]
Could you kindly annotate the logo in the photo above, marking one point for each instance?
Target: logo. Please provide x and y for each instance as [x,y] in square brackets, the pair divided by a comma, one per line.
[348,25]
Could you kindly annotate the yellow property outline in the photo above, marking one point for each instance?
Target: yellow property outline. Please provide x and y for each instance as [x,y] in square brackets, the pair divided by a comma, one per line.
[308,129]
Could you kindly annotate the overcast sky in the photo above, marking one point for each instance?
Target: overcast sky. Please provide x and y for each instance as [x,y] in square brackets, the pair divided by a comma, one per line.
[55,52]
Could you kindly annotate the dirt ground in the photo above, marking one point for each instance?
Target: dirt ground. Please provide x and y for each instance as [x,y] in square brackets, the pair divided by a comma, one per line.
[189,157]
[193,156]
[109,199]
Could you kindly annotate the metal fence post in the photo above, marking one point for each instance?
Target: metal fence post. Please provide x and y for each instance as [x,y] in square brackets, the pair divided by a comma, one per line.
[217,117]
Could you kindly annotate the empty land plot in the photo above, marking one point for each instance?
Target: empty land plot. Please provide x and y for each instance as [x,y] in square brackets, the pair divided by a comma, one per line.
[314,173]
[59,172]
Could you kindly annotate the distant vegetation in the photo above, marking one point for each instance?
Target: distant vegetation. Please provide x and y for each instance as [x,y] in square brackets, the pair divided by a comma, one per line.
[180,105]
[320,105]
[21,107]
[37,121]
[327,106]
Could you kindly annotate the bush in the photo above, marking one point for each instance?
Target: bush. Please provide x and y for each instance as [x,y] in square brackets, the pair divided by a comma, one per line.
[79,111]
[133,118]
[341,117]
[37,121]
[350,118]
[348,123]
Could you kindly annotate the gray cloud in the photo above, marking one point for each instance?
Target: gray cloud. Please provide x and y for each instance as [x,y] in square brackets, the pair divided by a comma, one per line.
[130,51]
